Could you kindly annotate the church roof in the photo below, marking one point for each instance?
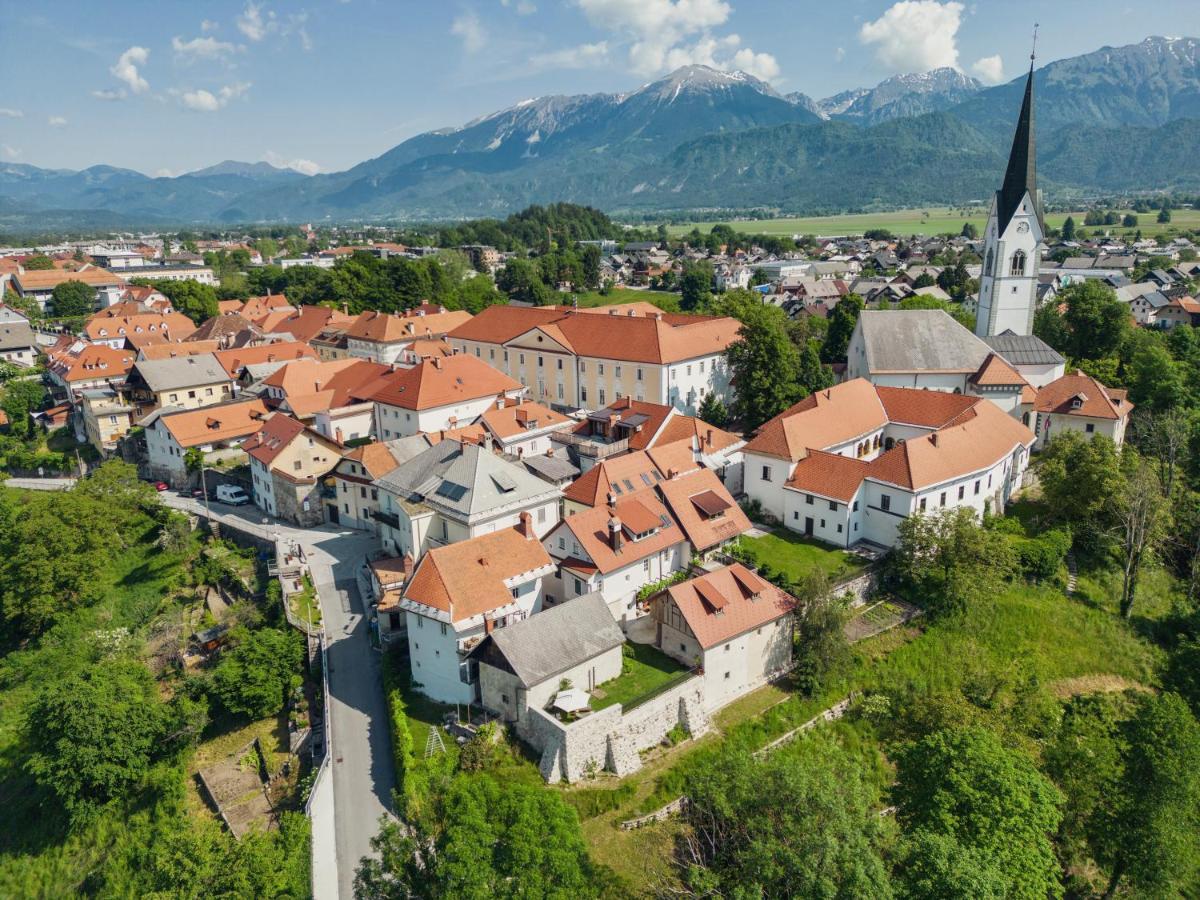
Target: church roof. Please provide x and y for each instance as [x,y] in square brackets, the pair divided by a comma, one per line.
[1021,174]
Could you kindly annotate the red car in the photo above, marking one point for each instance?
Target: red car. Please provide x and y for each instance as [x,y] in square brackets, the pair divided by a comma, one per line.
[160,486]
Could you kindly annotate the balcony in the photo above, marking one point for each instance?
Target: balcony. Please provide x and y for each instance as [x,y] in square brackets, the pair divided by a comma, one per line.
[592,445]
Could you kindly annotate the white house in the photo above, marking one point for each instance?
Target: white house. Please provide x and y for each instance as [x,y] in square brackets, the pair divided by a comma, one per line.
[1078,402]
[461,593]
[437,395]
[170,434]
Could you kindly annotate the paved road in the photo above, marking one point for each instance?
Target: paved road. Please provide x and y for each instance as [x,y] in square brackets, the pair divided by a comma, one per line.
[360,745]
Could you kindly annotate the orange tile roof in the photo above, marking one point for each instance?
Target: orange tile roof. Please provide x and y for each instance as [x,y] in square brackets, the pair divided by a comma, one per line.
[591,529]
[272,438]
[674,459]
[686,428]
[227,307]
[233,361]
[387,329]
[164,326]
[443,382]
[721,605]
[638,338]
[466,579]
[1096,401]
[48,279]
[996,372]
[309,321]
[174,351]
[829,475]
[214,424]
[258,308]
[978,439]
[833,416]
[376,458]
[91,362]
[624,408]
[520,415]
[926,409]
[427,349]
[630,473]
[702,487]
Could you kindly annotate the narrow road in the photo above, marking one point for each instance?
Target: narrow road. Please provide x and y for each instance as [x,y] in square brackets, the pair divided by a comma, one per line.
[360,744]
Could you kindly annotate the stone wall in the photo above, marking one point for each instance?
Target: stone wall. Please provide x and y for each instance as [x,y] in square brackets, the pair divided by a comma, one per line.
[290,497]
[859,588]
[612,739]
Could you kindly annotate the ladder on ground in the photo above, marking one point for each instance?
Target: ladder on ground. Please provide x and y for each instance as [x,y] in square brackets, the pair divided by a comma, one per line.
[434,743]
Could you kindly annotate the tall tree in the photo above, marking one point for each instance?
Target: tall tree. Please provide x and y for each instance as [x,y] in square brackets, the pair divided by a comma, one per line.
[695,285]
[842,320]
[1068,229]
[1139,511]
[73,298]
[965,785]
[765,366]
[1096,320]
[1078,477]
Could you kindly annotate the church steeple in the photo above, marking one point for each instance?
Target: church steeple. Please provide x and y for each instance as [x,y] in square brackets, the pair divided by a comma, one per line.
[1021,174]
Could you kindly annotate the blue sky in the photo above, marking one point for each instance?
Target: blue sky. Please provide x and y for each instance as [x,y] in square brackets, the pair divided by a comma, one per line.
[166,87]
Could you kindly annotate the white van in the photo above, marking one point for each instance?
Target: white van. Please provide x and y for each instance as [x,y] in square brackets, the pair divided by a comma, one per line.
[232,494]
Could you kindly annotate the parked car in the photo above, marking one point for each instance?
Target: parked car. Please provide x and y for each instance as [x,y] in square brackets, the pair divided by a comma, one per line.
[232,494]
[161,486]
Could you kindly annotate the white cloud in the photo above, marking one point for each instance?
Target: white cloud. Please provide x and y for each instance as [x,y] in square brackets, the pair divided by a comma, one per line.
[989,69]
[109,95]
[201,100]
[56,121]
[915,35]
[163,173]
[9,153]
[200,48]
[522,7]
[6,113]
[839,54]
[303,166]
[581,57]
[666,34]
[208,25]
[468,27]
[253,24]
[126,69]
[295,25]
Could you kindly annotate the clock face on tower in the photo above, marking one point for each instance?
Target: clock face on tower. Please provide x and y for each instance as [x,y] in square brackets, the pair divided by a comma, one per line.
[1022,227]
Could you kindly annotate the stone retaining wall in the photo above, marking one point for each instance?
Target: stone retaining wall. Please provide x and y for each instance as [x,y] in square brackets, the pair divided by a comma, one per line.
[611,739]
[859,588]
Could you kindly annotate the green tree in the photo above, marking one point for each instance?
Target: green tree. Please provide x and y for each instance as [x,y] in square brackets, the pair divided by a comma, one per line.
[1140,514]
[1129,221]
[1077,477]
[969,231]
[488,840]
[842,320]
[765,366]
[923,301]
[713,411]
[93,734]
[1155,380]
[695,285]
[947,561]
[39,262]
[821,645]
[195,300]
[256,674]
[817,835]
[991,801]
[73,298]
[1164,215]
[1152,840]
[1068,229]
[18,399]
[1096,320]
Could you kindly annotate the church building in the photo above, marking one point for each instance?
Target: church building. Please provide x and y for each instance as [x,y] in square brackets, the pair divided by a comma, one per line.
[1013,238]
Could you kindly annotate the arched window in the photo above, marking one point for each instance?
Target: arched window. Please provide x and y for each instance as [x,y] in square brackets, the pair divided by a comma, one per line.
[987,265]
[1018,263]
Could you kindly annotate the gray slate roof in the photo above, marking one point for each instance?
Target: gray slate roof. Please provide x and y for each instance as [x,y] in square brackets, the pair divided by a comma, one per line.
[912,340]
[1024,349]
[16,335]
[181,372]
[553,641]
[464,479]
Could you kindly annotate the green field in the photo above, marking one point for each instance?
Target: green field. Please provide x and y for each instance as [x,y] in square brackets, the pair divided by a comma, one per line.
[928,220]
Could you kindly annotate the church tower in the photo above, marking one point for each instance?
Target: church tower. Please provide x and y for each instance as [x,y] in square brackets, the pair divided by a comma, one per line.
[1012,249]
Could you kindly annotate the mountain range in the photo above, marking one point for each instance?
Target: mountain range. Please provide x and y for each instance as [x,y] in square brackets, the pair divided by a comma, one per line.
[1118,119]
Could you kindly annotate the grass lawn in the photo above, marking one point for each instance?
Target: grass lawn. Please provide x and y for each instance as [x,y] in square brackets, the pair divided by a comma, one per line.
[794,555]
[649,669]
[305,605]
[929,220]
[664,300]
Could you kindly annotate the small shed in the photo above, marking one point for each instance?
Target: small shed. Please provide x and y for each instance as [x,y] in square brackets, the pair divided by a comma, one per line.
[523,664]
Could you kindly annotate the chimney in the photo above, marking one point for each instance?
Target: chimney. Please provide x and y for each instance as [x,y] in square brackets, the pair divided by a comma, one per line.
[500,401]
[708,438]
[526,526]
[407,563]
[614,534]
[671,473]
[933,439]
[437,363]
[339,436]
[612,499]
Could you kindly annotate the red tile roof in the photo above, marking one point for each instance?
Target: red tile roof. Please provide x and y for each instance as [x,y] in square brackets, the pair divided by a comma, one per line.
[629,473]
[833,416]
[442,382]
[829,475]
[591,529]
[720,605]
[1095,400]
[704,509]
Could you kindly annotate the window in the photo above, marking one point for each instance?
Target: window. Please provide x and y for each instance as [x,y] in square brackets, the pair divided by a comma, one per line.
[1017,267]
[839,528]
[174,397]
[727,647]
[420,624]
[977,486]
[701,368]
[618,371]
[521,358]
[822,523]
[989,479]
[962,491]
[583,395]
[602,401]
[492,353]
[443,624]
[208,392]
[682,648]
[885,502]
[987,265]
[943,498]
[562,543]
[726,676]
[796,515]
[506,357]
[542,514]
[578,586]
[504,699]
[808,499]
[362,492]
[374,494]
[514,593]
[922,505]
[832,506]
[638,374]
[855,506]
[1090,427]
[600,368]
[297,464]
[766,473]
[541,361]
[191,395]
[477,351]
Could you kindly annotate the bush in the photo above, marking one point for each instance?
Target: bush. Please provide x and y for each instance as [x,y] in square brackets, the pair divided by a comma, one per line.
[1041,557]
[402,741]
[256,675]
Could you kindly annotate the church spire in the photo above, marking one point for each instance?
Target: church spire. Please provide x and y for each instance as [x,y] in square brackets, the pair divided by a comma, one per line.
[1021,174]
